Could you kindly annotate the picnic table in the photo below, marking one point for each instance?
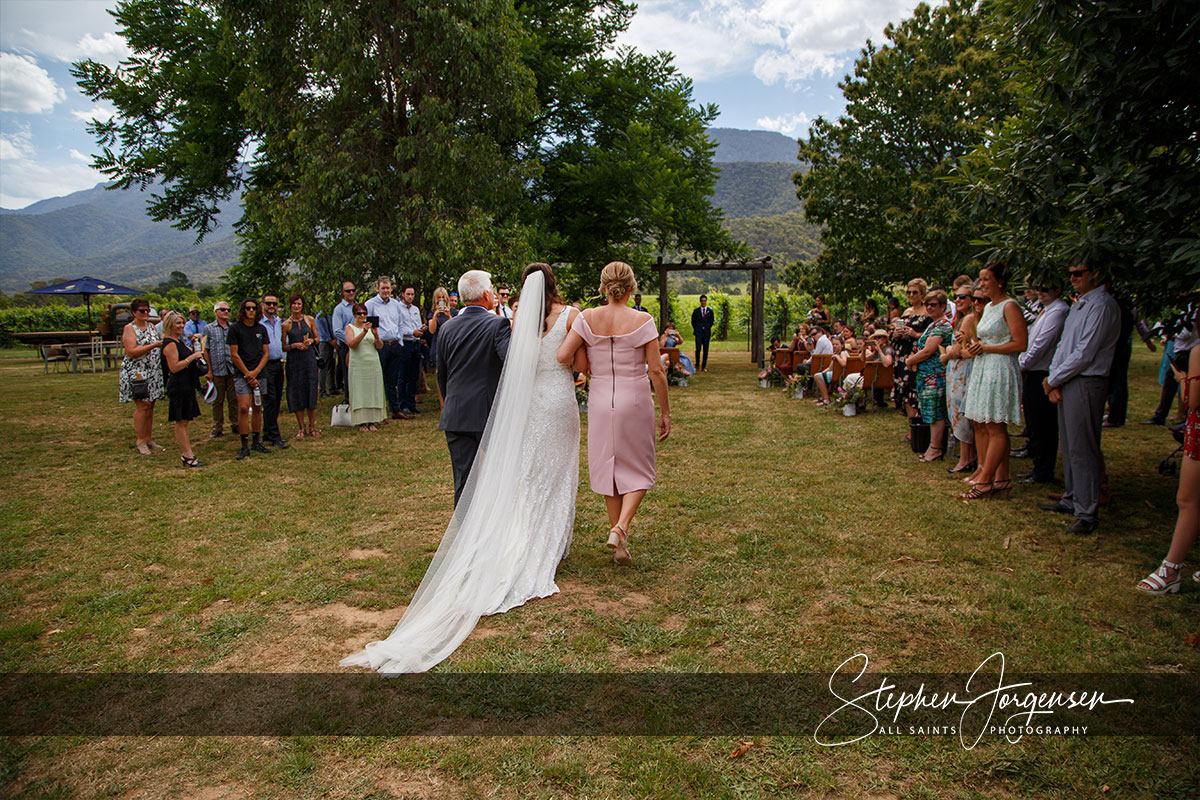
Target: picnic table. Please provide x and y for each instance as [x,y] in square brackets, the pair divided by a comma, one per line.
[73,353]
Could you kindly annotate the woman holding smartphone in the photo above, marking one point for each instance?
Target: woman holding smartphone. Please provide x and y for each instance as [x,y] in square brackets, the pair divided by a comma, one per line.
[368,402]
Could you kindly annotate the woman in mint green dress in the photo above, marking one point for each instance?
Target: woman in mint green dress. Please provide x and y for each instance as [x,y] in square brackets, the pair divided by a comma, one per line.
[364,374]
[993,396]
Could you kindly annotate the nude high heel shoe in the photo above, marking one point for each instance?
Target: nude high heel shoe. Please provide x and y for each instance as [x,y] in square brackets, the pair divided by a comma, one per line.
[618,546]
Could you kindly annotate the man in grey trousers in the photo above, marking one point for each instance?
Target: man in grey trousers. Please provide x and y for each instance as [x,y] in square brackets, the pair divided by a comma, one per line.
[471,349]
[1078,385]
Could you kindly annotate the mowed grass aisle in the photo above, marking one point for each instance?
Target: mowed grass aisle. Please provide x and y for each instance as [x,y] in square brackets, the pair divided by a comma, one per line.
[781,538]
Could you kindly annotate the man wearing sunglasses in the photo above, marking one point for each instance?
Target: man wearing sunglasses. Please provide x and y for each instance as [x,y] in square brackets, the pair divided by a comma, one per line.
[343,315]
[272,376]
[1078,385]
[221,372]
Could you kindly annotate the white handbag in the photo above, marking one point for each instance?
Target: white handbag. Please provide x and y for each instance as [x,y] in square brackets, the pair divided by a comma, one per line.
[341,416]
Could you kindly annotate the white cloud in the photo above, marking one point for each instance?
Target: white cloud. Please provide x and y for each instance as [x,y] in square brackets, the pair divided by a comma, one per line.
[80,157]
[787,41]
[95,113]
[18,144]
[25,87]
[788,124]
[25,179]
[108,48]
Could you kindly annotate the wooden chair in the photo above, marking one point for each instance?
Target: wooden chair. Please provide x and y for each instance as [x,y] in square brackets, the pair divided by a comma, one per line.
[96,352]
[799,357]
[52,353]
[820,363]
[877,376]
[853,364]
[672,355]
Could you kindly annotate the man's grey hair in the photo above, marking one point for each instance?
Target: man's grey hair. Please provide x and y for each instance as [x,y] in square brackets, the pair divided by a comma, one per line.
[383,278]
[217,304]
[473,285]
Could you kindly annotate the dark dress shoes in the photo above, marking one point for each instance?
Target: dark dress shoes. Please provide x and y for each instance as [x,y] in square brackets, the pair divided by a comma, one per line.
[243,453]
[1058,508]
[1030,477]
[1021,452]
[1082,527]
[259,447]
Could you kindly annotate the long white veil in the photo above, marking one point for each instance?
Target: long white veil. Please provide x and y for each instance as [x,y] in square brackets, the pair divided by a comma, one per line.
[485,544]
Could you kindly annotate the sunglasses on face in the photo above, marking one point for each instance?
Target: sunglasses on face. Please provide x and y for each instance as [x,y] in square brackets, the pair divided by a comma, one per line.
[962,297]
[222,309]
[933,304]
[360,313]
[141,311]
[347,291]
[979,299]
[270,303]
[1078,273]
[251,308]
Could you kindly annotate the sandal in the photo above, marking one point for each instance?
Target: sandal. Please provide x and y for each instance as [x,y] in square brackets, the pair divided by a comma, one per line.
[300,434]
[618,546]
[976,493]
[1002,488]
[1156,582]
[969,467]
[191,462]
[143,449]
[925,459]
[371,427]
[155,446]
[313,433]
[364,427]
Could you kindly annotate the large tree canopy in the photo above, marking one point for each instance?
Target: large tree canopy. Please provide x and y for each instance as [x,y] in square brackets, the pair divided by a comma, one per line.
[1102,161]
[412,138]
[877,177]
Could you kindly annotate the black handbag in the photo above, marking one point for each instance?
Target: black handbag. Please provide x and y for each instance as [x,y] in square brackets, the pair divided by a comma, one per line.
[139,389]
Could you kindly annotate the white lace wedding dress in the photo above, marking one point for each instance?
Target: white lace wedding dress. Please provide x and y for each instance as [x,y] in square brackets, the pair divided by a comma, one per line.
[514,520]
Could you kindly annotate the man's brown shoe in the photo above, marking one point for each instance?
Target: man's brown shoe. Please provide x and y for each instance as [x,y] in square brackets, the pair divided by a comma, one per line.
[401,415]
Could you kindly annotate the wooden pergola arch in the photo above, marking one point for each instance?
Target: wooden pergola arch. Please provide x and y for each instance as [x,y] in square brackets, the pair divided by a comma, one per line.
[757,268]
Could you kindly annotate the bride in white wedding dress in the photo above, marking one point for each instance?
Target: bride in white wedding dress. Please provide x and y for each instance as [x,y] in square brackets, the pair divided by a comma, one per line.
[514,520]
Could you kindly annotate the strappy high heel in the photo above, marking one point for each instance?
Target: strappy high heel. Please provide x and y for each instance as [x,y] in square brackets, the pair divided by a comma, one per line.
[1156,582]
[923,458]
[618,545]
[977,492]
[1000,489]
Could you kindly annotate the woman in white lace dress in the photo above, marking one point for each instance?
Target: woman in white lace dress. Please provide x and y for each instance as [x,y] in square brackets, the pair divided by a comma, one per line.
[514,520]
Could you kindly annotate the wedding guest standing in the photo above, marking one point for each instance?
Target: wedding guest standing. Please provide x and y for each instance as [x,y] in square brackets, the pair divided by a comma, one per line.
[326,361]
[249,349]
[930,373]
[141,364]
[441,313]
[368,400]
[702,325]
[220,371]
[299,336]
[342,316]
[271,377]
[182,381]
[622,350]
[912,323]
[958,374]
[194,328]
[994,392]
[1078,385]
[1167,578]
[1041,417]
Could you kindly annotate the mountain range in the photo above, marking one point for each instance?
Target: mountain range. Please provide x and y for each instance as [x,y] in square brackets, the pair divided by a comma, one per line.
[106,233]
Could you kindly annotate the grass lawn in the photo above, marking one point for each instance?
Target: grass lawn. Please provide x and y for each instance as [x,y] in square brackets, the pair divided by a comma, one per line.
[781,538]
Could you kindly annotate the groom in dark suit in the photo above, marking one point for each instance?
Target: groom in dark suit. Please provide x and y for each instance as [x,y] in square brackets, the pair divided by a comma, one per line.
[470,356]
[702,325]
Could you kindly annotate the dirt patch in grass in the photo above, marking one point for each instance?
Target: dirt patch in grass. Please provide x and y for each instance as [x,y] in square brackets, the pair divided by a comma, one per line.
[606,601]
[359,554]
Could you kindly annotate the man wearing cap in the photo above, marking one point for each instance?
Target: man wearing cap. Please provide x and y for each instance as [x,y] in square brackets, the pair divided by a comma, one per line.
[221,371]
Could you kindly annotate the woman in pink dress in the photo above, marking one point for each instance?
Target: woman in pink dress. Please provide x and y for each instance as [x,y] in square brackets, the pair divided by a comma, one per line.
[622,349]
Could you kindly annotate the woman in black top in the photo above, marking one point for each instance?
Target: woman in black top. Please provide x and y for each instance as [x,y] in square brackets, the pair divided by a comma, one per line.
[299,334]
[182,382]
[247,341]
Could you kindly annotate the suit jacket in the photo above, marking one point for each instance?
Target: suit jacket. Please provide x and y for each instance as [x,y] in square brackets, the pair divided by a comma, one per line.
[470,356]
[702,323]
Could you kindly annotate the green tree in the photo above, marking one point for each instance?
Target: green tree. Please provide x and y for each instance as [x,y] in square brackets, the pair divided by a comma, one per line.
[877,175]
[178,280]
[416,139]
[1101,163]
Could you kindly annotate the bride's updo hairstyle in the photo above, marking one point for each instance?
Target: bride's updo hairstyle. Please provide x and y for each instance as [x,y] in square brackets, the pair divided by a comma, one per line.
[551,290]
[616,280]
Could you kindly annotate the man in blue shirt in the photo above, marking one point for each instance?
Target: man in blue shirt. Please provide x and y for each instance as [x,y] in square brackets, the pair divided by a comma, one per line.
[272,375]
[391,354]
[343,315]
[325,344]
[1078,385]
[193,329]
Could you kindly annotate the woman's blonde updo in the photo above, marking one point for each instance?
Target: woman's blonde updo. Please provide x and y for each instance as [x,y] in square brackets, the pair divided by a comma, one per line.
[616,280]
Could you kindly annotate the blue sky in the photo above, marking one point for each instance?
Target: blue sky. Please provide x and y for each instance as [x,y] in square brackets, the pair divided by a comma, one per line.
[769,65]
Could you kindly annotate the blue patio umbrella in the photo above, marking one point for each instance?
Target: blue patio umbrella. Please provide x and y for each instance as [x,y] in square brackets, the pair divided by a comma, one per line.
[86,287]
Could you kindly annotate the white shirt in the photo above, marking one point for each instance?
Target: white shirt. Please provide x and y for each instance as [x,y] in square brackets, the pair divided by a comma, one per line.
[503,310]
[410,320]
[823,347]
[1043,336]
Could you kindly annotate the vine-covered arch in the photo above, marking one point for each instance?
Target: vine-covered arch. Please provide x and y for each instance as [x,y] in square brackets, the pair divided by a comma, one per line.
[757,268]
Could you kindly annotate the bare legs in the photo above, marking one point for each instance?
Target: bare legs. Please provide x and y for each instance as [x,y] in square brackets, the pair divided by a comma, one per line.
[981,450]
[819,380]
[621,509]
[1187,527]
[143,424]
[246,419]
[181,439]
[936,448]
[966,454]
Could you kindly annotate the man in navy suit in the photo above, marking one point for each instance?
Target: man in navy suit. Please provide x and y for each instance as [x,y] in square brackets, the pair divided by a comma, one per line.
[471,349]
[702,323]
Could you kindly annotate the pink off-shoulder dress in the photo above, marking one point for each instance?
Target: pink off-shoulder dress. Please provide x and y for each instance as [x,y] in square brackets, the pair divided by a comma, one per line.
[620,410]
